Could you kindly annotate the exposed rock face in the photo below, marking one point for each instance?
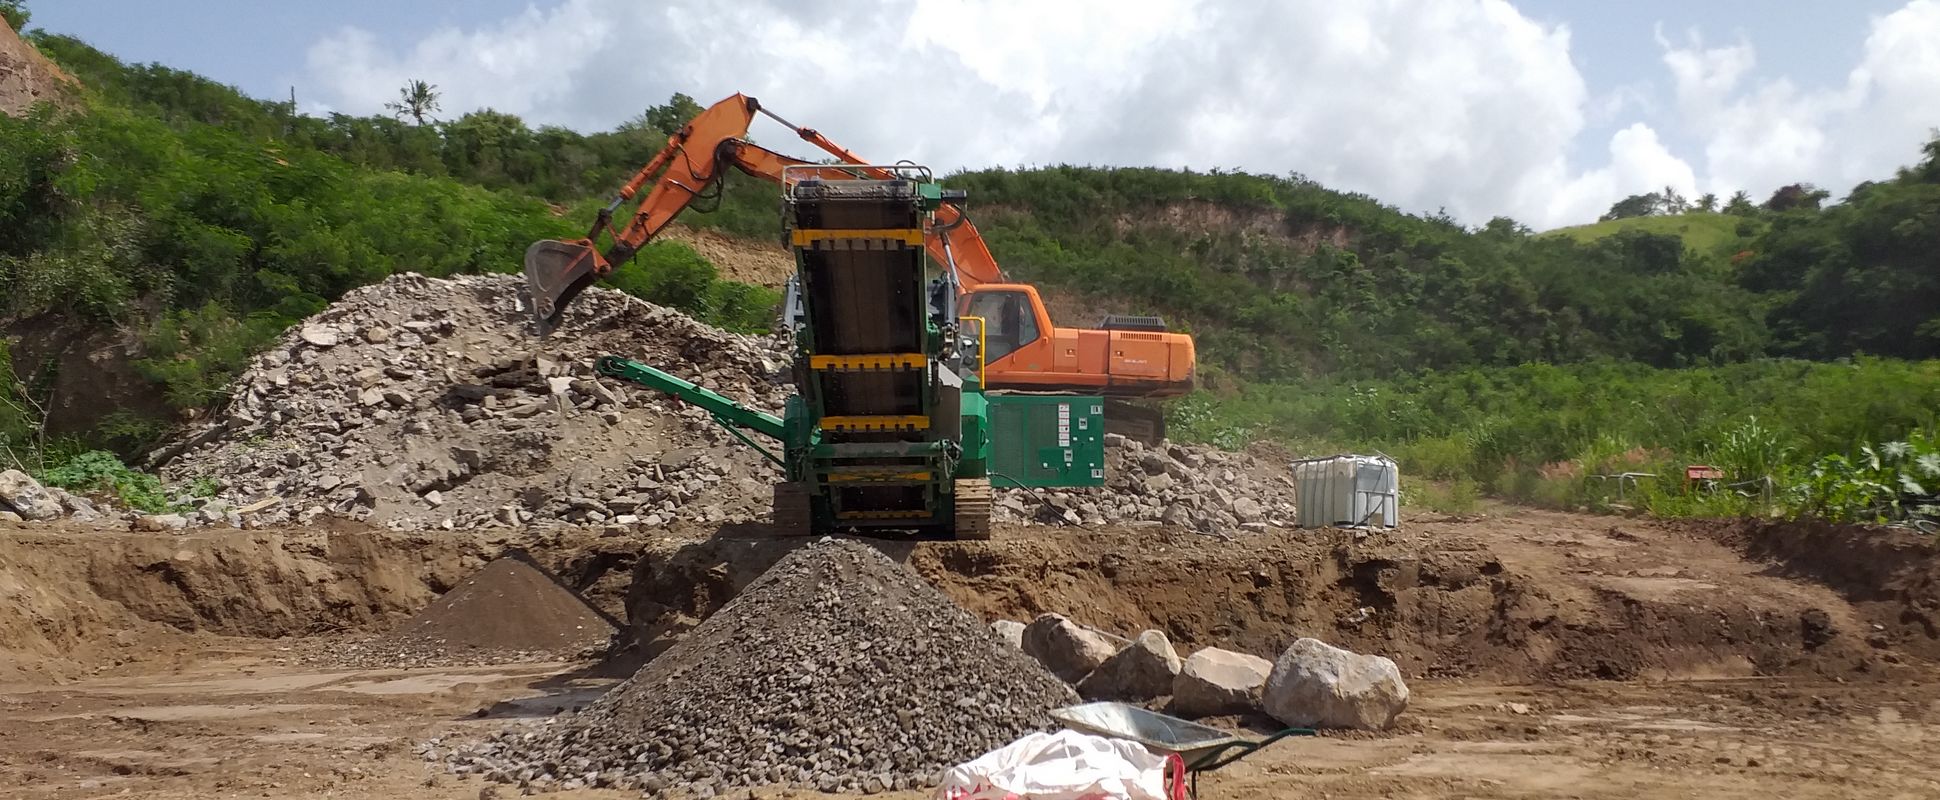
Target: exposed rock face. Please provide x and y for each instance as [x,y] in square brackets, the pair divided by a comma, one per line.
[1215,682]
[1141,670]
[1315,684]
[1069,650]
[28,78]
[26,497]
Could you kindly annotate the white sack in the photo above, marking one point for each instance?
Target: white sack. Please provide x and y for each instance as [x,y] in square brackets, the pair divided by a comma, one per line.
[1066,765]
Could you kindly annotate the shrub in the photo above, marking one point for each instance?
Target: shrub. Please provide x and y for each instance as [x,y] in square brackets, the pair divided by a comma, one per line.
[101,471]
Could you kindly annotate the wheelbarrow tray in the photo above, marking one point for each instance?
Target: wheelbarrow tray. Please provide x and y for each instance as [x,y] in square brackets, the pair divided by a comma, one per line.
[1161,733]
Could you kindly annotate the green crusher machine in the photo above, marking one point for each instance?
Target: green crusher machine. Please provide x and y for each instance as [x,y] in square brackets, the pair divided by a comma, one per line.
[890,429]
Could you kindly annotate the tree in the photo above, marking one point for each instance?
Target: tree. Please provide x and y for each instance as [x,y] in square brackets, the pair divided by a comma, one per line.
[1504,228]
[1673,203]
[416,100]
[1708,203]
[1740,205]
[668,118]
[16,13]
[1798,195]
[1636,205]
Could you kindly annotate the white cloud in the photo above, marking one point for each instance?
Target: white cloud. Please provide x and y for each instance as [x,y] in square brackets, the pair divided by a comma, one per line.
[1770,133]
[1469,106]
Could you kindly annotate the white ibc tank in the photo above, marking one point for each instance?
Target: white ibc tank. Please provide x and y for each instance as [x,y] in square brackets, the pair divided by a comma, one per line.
[1348,491]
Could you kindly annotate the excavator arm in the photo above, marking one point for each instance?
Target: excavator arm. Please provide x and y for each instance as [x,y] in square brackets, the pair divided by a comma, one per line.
[1122,357]
[558,270]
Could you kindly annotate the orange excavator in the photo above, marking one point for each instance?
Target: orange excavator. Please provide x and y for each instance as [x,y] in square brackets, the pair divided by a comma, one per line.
[1124,357]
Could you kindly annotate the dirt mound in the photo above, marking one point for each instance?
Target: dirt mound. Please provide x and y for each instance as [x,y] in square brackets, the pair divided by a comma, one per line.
[838,669]
[80,598]
[1530,596]
[511,609]
[424,403]
[1890,576]
[27,77]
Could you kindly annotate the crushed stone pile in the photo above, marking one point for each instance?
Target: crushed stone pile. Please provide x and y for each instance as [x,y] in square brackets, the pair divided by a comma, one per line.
[509,611]
[1175,485]
[420,403]
[836,670]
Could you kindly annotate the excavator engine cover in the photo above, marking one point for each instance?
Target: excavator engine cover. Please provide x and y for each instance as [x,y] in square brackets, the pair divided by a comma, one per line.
[555,273]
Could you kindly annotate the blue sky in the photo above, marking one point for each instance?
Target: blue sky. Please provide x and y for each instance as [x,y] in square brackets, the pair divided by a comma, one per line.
[1545,110]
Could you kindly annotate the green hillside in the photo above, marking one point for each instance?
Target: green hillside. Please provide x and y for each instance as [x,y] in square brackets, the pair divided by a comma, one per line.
[1709,233]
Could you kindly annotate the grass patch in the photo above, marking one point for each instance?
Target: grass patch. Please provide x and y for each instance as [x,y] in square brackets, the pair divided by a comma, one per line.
[1707,233]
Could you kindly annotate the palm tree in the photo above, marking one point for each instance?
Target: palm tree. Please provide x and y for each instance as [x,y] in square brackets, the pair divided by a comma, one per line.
[416,99]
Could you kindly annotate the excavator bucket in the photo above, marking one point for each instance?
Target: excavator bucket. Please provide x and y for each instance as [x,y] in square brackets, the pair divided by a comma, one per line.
[555,273]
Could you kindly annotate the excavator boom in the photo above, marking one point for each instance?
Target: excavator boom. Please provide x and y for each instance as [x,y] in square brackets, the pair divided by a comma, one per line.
[1028,352]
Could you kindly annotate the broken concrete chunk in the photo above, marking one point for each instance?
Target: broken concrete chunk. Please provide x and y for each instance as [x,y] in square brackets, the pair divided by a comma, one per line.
[1315,684]
[1215,682]
[1069,650]
[1142,670]
[1010,631]
[161,522]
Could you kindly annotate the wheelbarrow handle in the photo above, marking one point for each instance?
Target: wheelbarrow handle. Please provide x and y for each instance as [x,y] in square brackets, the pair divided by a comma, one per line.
[1233,751]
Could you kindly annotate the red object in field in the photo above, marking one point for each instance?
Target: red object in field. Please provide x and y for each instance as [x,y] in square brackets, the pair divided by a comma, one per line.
[1702,472]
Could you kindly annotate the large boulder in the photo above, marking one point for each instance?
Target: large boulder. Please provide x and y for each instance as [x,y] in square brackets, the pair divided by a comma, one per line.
[1215,682]
[1317,685]
[1141,670]
[27,497]
[1069,650]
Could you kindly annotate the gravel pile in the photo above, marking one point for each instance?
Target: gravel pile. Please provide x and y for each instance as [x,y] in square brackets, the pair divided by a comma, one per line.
[510,611]
[1178,486]
[836,670]
[421,403]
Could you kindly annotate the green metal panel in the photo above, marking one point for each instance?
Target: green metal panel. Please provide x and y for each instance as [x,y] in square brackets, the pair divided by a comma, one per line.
[1046,440]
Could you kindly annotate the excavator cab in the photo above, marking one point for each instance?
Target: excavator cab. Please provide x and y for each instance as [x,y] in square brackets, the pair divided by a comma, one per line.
[1011,320]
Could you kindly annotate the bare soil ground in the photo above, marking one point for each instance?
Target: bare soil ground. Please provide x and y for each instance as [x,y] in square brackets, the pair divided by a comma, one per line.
[743,260]
[1550,654]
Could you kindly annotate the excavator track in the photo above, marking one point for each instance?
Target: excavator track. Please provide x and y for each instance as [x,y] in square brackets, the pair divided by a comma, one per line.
[1141,422]
[794,513]
[973,505]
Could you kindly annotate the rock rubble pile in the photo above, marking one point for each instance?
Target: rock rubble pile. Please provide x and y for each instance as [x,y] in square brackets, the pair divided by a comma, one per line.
[421,402]
[1175,485]
[428,403]
[836,670]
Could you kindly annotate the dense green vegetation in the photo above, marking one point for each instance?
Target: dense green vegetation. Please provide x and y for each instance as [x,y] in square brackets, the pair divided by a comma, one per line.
[1496,358]
[1545,433]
